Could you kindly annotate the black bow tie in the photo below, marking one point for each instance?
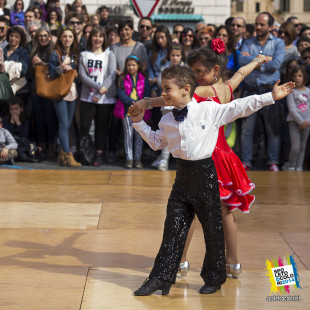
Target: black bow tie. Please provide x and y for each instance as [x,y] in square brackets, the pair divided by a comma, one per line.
[180,114]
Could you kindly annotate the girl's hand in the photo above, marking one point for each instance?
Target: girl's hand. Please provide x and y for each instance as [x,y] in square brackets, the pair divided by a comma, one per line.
[66,68]
[102,90]
[304,125]
[36,60]
[137,118]
[264,59]
[138,107]
[66,61]
[279,92]
[95,99]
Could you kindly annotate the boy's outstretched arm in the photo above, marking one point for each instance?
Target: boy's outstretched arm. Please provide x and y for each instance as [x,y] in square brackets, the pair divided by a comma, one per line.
[279,92]
[143,105]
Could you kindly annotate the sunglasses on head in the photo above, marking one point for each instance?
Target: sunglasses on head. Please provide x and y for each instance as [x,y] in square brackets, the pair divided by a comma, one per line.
[75,23]
[145,26]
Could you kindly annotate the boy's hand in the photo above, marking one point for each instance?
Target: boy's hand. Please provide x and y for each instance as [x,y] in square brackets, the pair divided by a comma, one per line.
[279,92]
[137,118]
[138,107]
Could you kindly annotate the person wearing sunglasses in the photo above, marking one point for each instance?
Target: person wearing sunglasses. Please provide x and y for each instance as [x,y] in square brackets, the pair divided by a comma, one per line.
[145,29]
[188,40]
[4,26]
[204,35]
[18,15]
[295,22]
[75,21]
[178,29]
[287,33]
[238,30]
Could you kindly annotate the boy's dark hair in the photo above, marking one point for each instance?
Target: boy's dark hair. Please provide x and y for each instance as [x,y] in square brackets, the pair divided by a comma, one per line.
[208,58]
[16,100]
[303,70]
[181,75]
[4,20]
[306,50]
[104,7]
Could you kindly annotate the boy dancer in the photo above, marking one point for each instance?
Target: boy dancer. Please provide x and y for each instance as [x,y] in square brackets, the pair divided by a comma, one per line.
[190,132]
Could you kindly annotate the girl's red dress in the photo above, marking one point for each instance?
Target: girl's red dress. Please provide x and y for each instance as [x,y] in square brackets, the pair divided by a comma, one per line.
[234,183]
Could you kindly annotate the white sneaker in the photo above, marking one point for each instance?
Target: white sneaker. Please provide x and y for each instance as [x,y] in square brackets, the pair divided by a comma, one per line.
[155,164]
[163,165]
[299,169]
[274,167]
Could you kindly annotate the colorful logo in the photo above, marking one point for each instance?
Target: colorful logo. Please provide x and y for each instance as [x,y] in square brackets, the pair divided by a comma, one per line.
[283,275]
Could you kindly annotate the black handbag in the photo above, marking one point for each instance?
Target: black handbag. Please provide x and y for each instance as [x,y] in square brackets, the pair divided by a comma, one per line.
[87,151]
[5,87]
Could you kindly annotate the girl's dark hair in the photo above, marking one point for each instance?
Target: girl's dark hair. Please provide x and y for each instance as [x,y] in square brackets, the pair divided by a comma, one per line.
[20,31]
[231,40]
[208,58]
[287,73]
[16,100]
[155,46]
[94,31]
[74,49]
[303,70]
[177,47]
[135,58]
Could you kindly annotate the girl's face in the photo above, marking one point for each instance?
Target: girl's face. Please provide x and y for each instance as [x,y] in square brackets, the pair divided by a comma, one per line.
[16,110]
[14,39]
[87,31]
[161,39]
[222,34]
[204,76]
[306,33]
[187,38]
[66,39]
[175,57]
[113,37]
[132,67]
[292,65]
[44,38]
[95,20]
[298,78]
[97,40]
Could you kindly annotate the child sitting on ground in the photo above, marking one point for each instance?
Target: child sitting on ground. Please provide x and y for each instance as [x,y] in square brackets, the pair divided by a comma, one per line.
[8,146]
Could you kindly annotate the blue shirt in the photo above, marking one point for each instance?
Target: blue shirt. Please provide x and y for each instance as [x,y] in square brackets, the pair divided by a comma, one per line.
[154,70]
[269,73]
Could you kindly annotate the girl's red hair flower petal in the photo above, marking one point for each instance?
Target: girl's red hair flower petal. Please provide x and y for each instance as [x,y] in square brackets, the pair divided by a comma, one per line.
[218,46]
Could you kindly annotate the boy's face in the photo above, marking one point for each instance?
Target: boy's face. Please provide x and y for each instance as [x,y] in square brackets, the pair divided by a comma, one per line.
[173,94]
[306,58]
[15,109]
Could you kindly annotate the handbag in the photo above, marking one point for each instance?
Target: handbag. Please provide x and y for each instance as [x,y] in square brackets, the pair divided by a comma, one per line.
[5,87]
[87,151]
[55,89]
[119,109]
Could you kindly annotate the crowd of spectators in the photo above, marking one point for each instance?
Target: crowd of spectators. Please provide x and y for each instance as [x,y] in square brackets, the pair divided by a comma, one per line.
[98,47]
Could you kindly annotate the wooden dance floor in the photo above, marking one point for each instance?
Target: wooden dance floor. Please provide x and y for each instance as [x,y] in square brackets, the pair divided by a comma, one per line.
[87,239]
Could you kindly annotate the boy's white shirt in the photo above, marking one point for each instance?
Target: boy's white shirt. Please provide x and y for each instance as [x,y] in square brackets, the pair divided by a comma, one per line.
[195,138]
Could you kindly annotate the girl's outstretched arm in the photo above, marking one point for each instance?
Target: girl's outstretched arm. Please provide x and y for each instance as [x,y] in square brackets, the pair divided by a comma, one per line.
[244,71]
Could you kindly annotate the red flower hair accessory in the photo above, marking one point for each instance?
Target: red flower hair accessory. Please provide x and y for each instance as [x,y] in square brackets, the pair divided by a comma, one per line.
[218,46]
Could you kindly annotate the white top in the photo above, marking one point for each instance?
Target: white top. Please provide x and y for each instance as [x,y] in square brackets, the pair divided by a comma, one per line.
[195,138]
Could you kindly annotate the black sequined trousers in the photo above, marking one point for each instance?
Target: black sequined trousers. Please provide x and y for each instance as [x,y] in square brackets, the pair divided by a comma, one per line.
[195,191]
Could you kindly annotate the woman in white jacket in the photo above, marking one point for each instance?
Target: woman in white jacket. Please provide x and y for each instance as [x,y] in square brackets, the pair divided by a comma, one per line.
[97,73]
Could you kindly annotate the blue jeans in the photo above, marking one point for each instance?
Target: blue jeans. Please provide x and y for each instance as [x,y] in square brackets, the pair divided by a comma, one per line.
[45,120]
[65,112]
[247,135]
